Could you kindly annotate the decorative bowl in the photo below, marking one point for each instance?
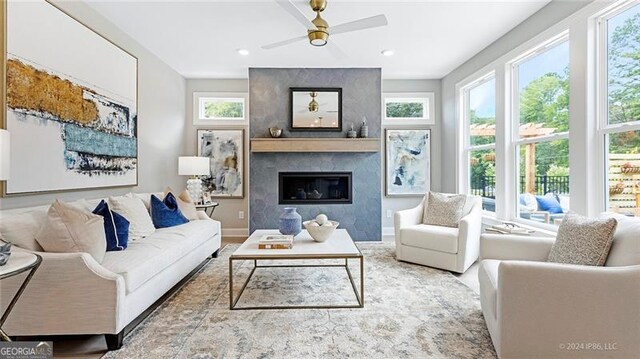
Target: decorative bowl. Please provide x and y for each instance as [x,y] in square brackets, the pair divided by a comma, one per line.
[275,132]
[320,233]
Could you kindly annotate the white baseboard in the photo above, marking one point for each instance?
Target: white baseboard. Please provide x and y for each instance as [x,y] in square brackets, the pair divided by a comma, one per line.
[235,232]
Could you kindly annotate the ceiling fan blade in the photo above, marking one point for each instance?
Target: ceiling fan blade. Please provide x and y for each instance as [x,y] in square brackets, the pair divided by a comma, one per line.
[335,50]
[366,23]
[284,42]
[289,7]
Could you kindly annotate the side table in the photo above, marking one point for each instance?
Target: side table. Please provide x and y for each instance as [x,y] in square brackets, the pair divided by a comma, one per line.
[208,208]
[18,263]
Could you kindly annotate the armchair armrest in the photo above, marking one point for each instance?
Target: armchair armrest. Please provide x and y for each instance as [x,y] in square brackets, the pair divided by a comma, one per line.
[65,290]
[470,228]
[515,247]
[407,217]
[547,308]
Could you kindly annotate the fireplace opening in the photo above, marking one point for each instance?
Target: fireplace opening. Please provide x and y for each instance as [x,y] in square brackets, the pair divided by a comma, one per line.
[314,188]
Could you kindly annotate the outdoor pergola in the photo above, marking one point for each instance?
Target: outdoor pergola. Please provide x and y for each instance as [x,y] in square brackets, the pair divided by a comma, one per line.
[526,130]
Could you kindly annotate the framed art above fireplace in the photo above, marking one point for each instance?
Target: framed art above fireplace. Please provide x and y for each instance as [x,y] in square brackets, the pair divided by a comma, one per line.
[316,109]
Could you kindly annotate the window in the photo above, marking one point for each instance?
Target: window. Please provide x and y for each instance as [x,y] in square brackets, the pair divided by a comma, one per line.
[541,131]
[409,108]
[620,107]
[219,108]
[479,119]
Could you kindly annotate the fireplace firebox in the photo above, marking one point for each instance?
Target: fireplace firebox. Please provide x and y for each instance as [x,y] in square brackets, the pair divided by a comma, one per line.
[314,188]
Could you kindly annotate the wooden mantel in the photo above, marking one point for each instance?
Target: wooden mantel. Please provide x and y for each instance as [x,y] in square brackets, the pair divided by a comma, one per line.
[315,144]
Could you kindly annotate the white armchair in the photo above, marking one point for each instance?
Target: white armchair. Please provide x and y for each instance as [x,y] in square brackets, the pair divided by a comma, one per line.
[452,249]
[536,309]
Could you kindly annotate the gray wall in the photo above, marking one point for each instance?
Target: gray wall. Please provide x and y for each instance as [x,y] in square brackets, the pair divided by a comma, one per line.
[161,118]
[549,15]
[228,211]
[393,204]
[269,106]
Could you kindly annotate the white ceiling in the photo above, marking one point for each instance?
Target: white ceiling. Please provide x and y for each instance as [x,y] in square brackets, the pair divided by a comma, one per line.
[199,39]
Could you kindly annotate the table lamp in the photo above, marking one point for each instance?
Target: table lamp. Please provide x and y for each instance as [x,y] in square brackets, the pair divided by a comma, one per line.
[4,154]
[194,166]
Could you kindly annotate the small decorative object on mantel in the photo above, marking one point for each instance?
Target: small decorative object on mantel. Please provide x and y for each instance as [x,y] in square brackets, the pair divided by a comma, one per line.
[275,132]
[352,133]
[364,130]
[290,222]
[5,252]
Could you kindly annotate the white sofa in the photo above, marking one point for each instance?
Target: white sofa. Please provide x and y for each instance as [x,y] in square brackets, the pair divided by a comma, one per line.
[536,309]
[71,293]
[452,249]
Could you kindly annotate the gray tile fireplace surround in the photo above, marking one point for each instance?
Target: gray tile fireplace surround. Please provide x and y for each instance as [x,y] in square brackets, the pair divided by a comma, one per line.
[269,106]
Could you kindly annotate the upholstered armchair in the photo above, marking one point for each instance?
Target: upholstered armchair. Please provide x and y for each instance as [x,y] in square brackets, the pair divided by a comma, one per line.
[448,248]
[536,309]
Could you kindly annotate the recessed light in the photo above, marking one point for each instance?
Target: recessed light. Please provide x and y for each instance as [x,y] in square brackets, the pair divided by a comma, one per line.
[243,52]
[387,52]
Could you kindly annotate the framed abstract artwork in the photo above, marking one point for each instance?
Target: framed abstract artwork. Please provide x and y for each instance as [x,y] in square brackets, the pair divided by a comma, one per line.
[408,162]
[71,103]
[225,149]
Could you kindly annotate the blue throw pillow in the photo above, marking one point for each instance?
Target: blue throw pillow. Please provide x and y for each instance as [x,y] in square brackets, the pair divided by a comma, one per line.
[116,227]
[166,213]
[549,204]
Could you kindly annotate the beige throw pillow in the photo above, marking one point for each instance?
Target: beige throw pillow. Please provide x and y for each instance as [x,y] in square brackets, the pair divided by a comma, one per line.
[185,204]
[583,240]
[444,210]
[70,229]
[133,209]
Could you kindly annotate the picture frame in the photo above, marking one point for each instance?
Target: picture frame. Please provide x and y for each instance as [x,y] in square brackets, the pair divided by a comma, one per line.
[408,108]
[87,138]
[407,162]
[225,149]
[206,198]
[315,109]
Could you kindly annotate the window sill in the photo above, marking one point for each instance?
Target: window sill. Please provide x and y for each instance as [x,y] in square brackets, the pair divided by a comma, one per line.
[489,219]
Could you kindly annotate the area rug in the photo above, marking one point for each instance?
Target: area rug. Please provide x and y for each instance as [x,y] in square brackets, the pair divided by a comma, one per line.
[410,311]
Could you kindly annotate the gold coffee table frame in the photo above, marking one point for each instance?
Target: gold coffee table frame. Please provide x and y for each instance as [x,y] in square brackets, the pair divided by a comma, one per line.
[233,301]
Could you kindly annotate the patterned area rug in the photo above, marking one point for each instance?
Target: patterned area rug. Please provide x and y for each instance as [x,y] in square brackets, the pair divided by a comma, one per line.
[410,312]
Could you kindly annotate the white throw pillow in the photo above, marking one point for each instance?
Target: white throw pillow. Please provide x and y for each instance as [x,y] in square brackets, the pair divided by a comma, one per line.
[625,250]
[21,229]
[133,209]
[185,204]
[70,229]
[145,197]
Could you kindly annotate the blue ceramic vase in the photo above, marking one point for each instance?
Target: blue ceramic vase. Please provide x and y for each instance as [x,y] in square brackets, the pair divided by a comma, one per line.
[290,221]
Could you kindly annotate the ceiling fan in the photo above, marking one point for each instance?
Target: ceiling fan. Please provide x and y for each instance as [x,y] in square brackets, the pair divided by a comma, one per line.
[318,29]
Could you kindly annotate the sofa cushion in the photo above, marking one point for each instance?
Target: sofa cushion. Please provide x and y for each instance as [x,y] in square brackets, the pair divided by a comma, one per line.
[71,229]
[549,203]
[166,213]
[444,210]
[583,240]
[436,238]
[116,227]
[488,278]
[147,257]
[21,228]
[134,210]
[185,203]
[625,249]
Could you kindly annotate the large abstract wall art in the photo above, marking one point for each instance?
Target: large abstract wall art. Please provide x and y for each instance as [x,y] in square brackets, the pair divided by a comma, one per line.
[225,149]
[71,104]
[408,162]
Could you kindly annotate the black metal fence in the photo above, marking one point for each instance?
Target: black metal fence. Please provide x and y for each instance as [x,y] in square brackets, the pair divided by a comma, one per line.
[485,186]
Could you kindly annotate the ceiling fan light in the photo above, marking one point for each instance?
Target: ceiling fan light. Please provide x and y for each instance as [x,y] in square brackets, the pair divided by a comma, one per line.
[318,38]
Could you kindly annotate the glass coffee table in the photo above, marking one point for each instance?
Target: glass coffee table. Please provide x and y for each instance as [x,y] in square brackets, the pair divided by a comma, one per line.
[339,246]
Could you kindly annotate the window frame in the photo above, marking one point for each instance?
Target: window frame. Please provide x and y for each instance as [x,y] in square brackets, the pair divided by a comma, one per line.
[604,128]
[198,109]
[464,92]
[427,98]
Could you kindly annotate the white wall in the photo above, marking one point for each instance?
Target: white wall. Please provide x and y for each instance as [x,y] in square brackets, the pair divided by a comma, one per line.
[227,212]
[393,204]
[161,118]
[549,15]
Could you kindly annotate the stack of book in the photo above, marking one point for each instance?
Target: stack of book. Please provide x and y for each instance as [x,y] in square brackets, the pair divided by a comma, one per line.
[275,241]
[509,228]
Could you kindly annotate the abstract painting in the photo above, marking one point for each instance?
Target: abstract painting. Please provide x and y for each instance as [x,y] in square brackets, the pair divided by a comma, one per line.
[72,114]
[225,149]
[408,162]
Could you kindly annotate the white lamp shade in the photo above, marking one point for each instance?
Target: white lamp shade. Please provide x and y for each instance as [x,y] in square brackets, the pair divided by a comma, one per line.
[193,166]
[4,154]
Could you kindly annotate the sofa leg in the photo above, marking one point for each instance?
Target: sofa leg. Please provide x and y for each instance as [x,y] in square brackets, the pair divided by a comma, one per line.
[215,254]
[114,341]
